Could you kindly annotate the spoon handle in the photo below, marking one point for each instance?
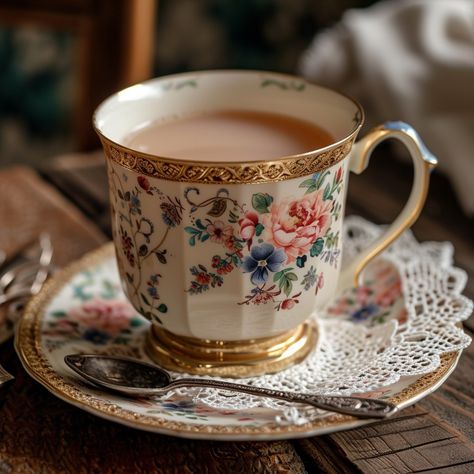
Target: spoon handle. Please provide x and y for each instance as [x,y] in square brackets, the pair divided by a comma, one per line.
[355,406]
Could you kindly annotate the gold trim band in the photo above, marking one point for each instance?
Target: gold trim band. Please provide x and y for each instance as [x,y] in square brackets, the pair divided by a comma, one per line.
[230,358]
[257,172]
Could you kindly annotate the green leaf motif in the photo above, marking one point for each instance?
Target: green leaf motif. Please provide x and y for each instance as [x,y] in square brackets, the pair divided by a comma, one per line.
[307,183]
[273,82]
[285,279]
[156,319]
[279,274]
[284,85]
[311,189]
[300,261]
[233,217]
[218,208]
[259,229]
[200,224]
[144,298]
[135,322]
[327,193]
[187,83]
[261,201]
[332,240]
[163,308]
[108,292]
[315,182]
[192,230]
[317,247]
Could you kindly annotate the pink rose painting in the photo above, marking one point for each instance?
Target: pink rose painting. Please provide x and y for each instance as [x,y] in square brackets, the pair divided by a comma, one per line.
[248,225]
[295,225]
[108,316]
[279,241]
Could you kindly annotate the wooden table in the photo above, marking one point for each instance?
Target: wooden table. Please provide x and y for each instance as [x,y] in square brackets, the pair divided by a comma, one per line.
[41,434]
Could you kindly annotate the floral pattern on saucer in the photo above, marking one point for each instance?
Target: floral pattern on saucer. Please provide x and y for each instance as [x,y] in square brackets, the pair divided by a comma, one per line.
[376,301]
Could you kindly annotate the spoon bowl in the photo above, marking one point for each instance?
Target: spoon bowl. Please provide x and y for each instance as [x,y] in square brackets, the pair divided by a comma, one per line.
[121,374]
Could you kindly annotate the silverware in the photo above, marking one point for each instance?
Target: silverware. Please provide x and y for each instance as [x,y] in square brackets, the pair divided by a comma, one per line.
[23,278]
[5,376]
[26,276]
[132,377]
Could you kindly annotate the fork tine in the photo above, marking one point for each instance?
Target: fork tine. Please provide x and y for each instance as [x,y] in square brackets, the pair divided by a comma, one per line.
[5,376]
[45,262]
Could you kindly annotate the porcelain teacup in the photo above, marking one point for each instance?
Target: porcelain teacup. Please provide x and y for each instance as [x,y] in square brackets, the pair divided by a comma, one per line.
[204,249]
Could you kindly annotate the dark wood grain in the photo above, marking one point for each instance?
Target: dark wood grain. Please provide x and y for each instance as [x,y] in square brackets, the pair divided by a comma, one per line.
[404,443]
[30,206]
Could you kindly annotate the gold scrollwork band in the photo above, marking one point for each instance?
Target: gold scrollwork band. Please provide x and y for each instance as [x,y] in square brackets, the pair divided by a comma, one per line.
[228,173]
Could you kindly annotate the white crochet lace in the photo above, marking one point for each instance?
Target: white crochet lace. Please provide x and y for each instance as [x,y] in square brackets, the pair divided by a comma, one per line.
[360,357]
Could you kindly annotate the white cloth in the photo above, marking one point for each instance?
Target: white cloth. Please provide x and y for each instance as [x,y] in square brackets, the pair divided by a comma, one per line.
[410,60]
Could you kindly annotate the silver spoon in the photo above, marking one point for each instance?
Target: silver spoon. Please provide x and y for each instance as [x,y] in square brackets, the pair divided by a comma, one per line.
[135,378]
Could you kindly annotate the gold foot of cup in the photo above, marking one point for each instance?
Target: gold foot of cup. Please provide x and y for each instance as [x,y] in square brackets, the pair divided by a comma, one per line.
[230,358]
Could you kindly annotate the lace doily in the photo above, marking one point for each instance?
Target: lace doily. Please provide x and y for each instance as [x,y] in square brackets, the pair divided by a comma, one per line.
[398,323]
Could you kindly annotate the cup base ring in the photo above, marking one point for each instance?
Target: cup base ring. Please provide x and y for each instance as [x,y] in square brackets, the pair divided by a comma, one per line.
[230,358]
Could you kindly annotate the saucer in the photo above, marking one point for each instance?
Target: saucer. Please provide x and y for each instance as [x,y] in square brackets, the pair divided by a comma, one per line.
[83,309]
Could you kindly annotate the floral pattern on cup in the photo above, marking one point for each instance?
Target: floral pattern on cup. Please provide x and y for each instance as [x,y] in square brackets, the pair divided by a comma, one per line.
[267,239]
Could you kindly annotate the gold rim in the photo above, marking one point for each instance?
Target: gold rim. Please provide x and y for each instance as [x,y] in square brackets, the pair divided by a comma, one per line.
[257,172]
[230,358]
[28,347]
[238,172]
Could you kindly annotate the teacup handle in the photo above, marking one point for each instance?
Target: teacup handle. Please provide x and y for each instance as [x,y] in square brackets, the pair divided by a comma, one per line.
[423,163]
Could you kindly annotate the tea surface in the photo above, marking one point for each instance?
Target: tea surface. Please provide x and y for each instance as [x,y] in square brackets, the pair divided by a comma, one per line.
[229,135]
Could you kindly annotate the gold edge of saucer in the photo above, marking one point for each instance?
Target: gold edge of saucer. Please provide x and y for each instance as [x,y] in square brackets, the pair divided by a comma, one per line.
[234,359]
